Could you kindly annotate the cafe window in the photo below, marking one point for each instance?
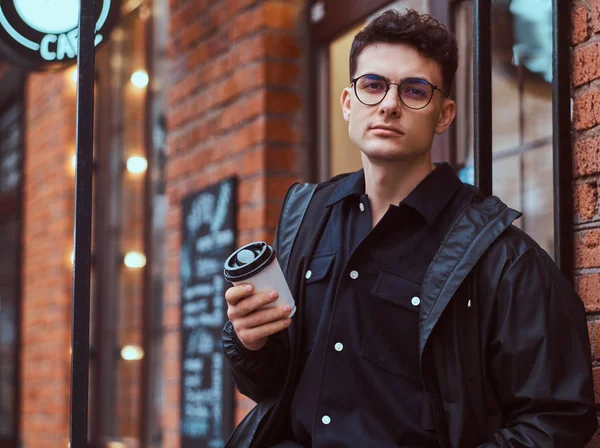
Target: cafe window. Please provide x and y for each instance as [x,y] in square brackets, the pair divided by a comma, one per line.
[129,219]
[522,99]
[11,223]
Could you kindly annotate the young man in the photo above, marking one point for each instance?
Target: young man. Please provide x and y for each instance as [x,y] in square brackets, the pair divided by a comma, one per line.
[425,319]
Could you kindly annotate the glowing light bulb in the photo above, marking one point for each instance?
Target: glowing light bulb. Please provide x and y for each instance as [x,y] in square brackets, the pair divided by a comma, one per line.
[75,75]
[140,79]
[135,260]
[132,353]
[137,164]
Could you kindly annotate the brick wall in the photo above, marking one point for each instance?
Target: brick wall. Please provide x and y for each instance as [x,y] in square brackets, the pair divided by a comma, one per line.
[48,242]
[586,167]
[234,109]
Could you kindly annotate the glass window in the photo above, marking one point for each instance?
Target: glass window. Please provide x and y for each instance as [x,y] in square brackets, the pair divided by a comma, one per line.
[11,151]
[522,109]
[127,368]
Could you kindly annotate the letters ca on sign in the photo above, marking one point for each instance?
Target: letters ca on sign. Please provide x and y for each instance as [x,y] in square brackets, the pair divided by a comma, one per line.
[53,47]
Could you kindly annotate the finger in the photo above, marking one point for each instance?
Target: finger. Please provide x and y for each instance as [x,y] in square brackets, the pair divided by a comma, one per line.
[236,293]
[251,335]
[261,317]
[251,304]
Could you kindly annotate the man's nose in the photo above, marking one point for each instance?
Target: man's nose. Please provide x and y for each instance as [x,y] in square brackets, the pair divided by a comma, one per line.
[391,104]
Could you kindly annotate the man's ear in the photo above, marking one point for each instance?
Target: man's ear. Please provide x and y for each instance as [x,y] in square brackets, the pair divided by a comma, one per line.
[446,117]
[345,101]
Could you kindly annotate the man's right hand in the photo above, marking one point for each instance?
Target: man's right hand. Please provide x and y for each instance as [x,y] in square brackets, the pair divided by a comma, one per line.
[254,326]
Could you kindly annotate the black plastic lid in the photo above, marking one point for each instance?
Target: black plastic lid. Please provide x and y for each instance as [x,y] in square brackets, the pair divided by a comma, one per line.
[248,261]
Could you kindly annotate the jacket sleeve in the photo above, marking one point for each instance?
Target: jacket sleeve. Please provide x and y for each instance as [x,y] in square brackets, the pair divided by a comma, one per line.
[540,358]
[257,374]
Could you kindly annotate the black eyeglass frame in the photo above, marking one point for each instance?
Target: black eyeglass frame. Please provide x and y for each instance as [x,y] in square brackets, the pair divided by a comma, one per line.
[388,84]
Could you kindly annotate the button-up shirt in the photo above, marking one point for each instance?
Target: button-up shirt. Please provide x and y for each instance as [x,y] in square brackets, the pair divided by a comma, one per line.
[361,383]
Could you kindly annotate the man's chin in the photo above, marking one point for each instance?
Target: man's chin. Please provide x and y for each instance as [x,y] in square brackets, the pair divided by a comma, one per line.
[386,153]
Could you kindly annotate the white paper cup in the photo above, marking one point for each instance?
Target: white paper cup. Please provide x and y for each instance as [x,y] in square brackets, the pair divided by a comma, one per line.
[256,264]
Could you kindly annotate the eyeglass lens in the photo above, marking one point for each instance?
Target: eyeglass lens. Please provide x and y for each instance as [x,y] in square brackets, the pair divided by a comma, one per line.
[414,93]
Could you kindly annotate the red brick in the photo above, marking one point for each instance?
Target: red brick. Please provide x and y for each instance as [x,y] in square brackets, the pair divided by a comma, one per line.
[588,288]
[280,131]
[281,16]
[281,74]
[587,110]
[594,333]
[587,254]
[580,24]
[282,102]
[595,10]
[586,63]
[586,200]
[596,372]
[586,157]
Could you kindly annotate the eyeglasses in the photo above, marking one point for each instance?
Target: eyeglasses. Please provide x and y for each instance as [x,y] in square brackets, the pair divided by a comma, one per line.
[415,93]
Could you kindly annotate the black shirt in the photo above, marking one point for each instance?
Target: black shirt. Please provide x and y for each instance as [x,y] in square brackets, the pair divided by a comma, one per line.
[361,384]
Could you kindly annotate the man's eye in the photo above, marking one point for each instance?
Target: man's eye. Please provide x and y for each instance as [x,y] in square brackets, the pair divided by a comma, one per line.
[376,86]
[415,92]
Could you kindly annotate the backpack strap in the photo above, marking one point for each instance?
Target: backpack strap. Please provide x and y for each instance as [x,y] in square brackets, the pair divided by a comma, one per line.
[292,214]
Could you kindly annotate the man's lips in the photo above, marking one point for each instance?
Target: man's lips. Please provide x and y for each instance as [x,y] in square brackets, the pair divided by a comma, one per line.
[385,130]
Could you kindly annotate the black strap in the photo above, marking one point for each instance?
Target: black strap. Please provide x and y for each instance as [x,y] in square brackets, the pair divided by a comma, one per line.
[292,214]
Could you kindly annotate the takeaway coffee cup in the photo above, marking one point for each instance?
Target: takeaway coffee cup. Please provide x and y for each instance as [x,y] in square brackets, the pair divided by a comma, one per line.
[256,263]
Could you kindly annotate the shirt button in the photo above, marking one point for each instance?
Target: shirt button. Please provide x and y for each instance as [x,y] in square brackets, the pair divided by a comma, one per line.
[415,301]
[362,207]
[308,274]
[326,420]
[338,347]
[354,275]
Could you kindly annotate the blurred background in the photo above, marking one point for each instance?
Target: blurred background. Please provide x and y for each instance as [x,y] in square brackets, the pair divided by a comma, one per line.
[210,109]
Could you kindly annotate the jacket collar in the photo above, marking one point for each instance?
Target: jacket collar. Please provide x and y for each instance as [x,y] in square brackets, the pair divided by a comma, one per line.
[429,198]
[470,236]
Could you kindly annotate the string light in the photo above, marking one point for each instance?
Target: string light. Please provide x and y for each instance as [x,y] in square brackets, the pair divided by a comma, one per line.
[135,260]
[140,79]
[137,164]
[132,353]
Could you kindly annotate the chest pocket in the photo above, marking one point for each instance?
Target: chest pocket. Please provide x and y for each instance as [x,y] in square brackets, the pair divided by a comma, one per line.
[318,286]
[391,326]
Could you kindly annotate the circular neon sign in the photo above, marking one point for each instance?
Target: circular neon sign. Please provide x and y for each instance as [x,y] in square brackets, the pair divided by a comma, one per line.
[42,34]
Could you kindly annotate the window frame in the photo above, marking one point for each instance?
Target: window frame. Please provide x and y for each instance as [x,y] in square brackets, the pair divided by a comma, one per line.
[14,81]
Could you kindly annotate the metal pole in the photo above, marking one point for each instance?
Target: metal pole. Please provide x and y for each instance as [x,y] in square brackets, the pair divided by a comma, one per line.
[83,226]
[482,97]
[562,145]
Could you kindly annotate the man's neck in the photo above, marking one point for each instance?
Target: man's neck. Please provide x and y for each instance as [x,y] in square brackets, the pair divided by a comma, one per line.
[391,182]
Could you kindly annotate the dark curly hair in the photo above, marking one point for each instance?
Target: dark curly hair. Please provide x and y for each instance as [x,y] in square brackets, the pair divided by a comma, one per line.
[429,37]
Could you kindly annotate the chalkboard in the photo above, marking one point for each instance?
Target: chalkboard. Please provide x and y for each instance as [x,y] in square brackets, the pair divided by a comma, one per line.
[208,238]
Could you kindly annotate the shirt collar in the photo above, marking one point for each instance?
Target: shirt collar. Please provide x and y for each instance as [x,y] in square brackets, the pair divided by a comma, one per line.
[352,184]
[428,198]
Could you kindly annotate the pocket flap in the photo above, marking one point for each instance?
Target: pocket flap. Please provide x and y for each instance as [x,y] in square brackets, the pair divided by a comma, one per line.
[398,290]
[319,267]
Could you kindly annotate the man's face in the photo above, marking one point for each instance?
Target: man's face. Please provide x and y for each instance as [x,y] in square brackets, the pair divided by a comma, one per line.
[409,134]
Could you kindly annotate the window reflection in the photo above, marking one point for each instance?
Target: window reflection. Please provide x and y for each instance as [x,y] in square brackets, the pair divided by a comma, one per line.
[522,109]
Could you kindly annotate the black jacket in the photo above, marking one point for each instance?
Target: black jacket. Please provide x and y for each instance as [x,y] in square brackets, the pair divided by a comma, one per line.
[504,348]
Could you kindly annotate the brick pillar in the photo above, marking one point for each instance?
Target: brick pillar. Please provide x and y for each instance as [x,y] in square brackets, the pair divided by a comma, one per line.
[234,109]
[586,166]
[47,277]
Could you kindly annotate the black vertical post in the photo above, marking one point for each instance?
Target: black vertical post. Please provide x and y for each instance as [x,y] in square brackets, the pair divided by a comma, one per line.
[482,96]
[562,146]
[83,226]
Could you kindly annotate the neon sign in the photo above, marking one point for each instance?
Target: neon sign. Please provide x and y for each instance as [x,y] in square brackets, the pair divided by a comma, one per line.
[42,35]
